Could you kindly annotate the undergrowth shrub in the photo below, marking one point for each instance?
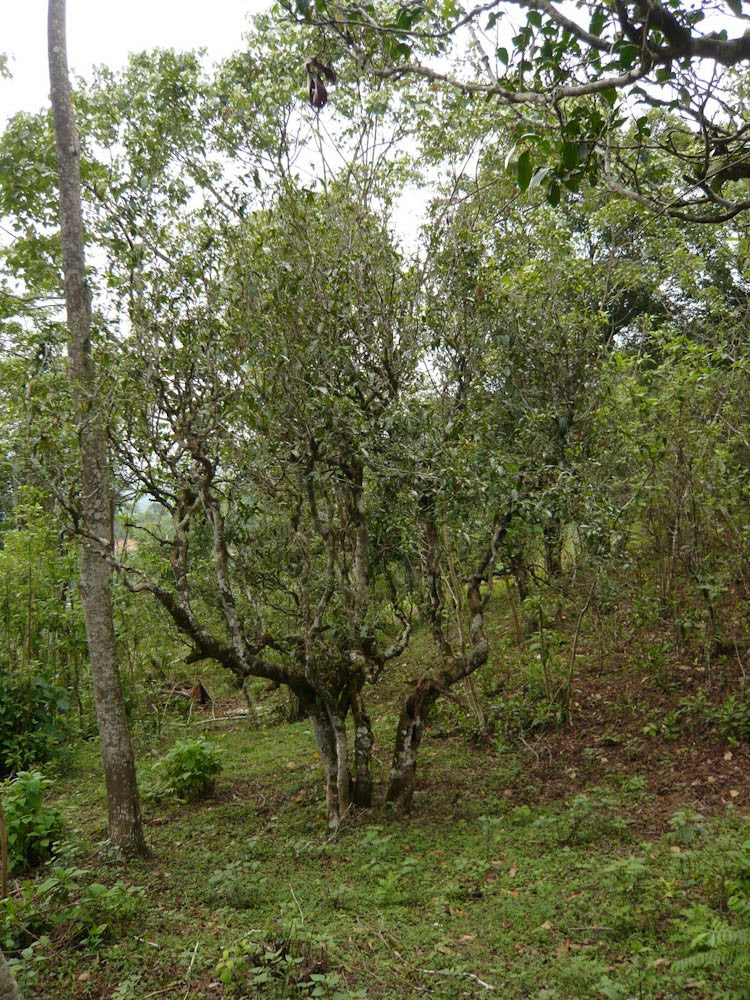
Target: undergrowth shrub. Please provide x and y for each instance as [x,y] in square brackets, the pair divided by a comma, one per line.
[65,909]
[591,817]
[688,826]
[32,827]
[240,885]
[33,721]
[529,711]
[187,771]
[732,717]
[718,946]
[290,961]
[719,942]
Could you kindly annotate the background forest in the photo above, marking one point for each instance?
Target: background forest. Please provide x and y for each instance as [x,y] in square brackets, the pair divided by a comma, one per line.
[417,363]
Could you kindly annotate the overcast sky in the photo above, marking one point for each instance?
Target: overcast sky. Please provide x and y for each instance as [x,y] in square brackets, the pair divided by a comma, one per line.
[105,32]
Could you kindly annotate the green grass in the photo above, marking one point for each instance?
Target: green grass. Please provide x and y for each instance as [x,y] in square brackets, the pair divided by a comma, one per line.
[244,896]
[521,873]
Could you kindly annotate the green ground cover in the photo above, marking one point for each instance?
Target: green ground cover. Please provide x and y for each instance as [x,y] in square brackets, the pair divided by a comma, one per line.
[478,894]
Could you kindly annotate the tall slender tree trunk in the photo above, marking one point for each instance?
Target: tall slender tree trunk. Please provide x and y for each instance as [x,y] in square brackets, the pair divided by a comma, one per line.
[125,830]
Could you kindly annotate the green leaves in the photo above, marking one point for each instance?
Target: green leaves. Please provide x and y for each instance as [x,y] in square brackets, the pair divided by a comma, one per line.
[524,170]
[188,770]
[32,826]
[598,20]
[568,169]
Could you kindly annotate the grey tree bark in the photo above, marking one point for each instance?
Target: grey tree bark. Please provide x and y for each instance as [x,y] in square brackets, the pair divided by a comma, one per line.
[8,987]
[125,829]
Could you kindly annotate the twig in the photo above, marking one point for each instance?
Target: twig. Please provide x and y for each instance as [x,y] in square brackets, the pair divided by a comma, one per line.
[165,989]
[302,915]
[142,940]
[574,649]
[452,972]
[531,750]
[190,969]
[337,831]
[222,718]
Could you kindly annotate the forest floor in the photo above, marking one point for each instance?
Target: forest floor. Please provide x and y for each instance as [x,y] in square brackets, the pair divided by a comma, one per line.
[605,856]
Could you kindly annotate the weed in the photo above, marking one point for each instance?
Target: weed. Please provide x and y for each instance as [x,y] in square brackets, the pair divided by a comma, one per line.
[715,945]
[240,885]
[491,828]
[528,711]
[32,826]
[66,909]
[187,771]
[668,727]
[33,721]
[732,717]
[687,827]
[378,846]
[626,874]
[396,886]
[589,818]
[290,961]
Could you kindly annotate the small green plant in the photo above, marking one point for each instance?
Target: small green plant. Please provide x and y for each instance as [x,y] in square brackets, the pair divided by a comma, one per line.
[625,874]
[32,827]
[187,771]
[668,727]
[378,847]
[715,945]
[687,827]
[522,815]
[491,828]
[396,886]
[591,817]
[240,884]
[732,717]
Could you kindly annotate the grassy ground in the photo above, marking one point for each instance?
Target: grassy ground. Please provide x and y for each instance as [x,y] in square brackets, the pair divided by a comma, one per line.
[608,857]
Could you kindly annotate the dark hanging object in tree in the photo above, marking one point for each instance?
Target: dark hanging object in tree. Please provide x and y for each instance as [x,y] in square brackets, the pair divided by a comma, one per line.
[318,93]
[316,70]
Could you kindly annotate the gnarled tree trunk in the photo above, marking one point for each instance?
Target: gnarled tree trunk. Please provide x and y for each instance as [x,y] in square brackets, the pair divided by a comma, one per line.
[329,727]
[411,726]
[125,830]
[363,740]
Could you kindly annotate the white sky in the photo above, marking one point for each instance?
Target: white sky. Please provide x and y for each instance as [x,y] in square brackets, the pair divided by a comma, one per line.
[105,31]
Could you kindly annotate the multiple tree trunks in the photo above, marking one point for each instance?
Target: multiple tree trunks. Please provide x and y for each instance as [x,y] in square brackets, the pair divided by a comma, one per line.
[329,727]
[344,790]
[243,654]
[125,830]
